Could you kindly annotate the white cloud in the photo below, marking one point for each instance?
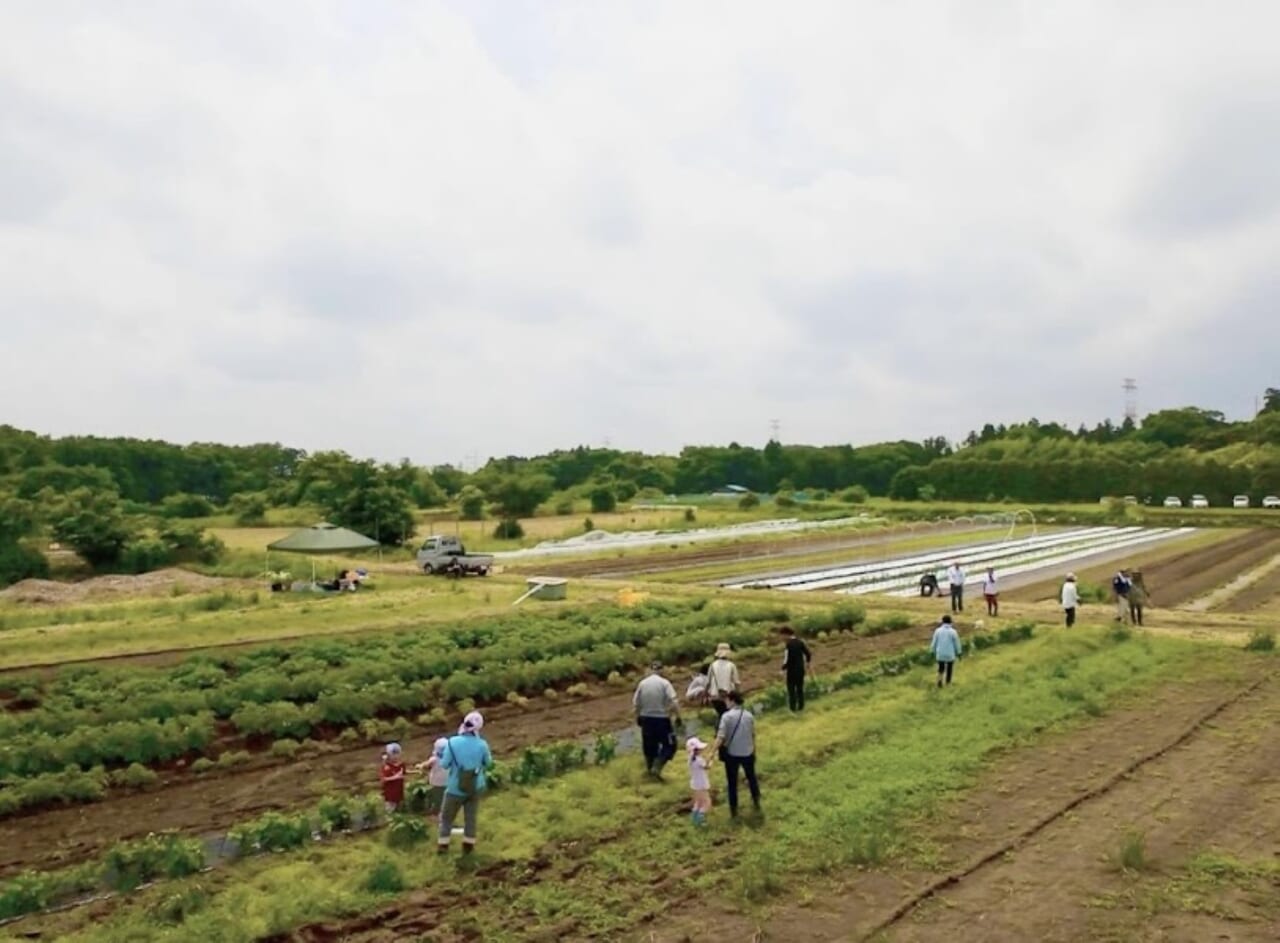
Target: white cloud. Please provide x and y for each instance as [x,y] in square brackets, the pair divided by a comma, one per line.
[437,229]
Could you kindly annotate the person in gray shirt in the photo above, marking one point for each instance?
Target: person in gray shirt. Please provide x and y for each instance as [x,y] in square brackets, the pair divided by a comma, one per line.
[736,743]
[655,704]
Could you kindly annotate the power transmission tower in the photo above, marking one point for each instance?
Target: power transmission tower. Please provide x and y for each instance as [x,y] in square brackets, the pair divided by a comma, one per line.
[775,430]
[1130,399]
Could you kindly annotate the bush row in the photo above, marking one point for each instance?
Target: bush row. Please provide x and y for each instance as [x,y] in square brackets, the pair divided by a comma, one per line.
[125,866]
[85,696]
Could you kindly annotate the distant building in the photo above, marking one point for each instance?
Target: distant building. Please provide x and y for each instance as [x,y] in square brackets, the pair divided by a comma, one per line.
[730,491]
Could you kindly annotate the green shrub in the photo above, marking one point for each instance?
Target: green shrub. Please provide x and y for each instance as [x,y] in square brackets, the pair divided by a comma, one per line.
[749,500]
[177,906]
[1261,641]
[273,831]
[202,765]
[285,748]
[508,529]
[134,776]
[336,813]
[129,864]
[890,622]
[854,495]
[20,562]
[405,831]
[385,877]
[784,500]
[564,506]
[690,516]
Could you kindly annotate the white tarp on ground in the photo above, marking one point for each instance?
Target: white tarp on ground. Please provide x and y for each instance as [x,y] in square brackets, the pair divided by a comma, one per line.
[603,540]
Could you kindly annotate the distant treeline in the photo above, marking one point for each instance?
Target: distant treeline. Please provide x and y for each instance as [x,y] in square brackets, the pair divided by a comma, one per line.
[110,498]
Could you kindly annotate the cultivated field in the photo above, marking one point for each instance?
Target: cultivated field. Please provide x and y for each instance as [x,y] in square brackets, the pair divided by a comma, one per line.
[1097,783]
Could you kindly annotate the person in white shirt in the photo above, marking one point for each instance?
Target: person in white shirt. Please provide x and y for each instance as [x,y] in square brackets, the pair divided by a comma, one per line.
[1070,599]
[991,592]
[722,679]
[699,781]
[955,577]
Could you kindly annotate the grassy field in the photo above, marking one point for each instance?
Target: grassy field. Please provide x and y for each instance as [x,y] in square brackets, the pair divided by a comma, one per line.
[864,764]
[602,852]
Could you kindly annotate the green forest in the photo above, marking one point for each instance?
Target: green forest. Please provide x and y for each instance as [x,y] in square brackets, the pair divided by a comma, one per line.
[129,505]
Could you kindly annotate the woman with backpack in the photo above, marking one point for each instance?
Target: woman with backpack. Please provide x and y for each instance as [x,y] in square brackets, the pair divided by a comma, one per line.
[466,756]
[722,679]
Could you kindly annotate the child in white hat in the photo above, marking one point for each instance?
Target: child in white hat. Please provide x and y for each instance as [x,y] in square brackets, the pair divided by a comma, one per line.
[699,781]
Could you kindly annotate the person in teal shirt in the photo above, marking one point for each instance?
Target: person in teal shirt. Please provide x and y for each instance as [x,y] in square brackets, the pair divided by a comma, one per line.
[466,757]
[946,649]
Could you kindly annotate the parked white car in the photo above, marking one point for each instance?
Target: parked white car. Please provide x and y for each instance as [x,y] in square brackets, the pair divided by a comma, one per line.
[1271,501]
[1240,501]
[1199,501]
[1173,501]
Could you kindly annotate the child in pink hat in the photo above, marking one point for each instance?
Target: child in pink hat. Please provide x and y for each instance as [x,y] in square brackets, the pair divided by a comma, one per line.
[699,782]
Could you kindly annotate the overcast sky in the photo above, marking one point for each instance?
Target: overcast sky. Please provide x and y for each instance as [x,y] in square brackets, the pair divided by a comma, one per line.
[444,230]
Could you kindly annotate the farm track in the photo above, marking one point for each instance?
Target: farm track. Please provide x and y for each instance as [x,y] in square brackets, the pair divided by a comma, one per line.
[1026,850]
[740,550]
[209,805]
[1176,579]
[1260,592]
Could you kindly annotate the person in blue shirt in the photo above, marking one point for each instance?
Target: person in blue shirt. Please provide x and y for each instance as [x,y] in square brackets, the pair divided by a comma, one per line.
[466,757]
[946,649]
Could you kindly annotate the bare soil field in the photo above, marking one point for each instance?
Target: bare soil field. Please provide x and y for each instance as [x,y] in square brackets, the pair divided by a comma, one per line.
[211,803]
[1032,852]
[1178,578]
[773,549]
[116,586]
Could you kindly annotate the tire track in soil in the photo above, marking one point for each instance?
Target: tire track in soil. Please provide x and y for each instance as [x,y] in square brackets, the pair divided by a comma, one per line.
[1131,775]
[212,803]
[1032,789]
[1180,578]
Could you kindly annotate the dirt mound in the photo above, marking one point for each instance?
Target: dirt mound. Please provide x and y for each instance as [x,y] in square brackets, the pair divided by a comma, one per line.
[158,582]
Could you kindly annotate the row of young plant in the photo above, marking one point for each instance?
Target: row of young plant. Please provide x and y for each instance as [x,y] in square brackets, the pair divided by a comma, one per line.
[33,752]
[174,856]
[129,864]
[303,672]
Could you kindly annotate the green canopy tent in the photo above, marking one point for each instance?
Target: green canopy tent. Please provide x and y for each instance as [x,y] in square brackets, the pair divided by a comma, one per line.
[320,539]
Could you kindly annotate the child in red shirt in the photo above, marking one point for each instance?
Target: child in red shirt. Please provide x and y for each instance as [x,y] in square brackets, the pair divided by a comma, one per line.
[392,776]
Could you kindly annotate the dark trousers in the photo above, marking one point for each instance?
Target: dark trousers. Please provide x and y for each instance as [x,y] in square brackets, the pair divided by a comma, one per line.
[748,765]
[1135,613]
[720,705]
[944,671]
[957,598]
[657,740]
[1071,617]
[795,692]
[993,604]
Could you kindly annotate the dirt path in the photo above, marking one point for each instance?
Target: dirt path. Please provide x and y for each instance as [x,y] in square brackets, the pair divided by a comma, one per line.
[211,804]
[1177,579]
[1223,596]
[1061,805]
[1219,788]
[1258,593]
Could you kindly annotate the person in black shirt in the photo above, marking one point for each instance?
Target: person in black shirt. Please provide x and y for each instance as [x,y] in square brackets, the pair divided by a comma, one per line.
[795,662]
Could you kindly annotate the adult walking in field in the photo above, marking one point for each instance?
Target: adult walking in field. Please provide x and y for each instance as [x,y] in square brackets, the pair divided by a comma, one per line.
[655,705]
[1137,597]
[466,756]
[1070,599]
[1120,585]
[991,592]
[955,580]
[946,648]
[722,679]
[796,659]
[736,745]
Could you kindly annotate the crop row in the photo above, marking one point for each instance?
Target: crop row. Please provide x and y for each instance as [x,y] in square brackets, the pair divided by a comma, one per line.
[130,864]
[86,695]
[152,741]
